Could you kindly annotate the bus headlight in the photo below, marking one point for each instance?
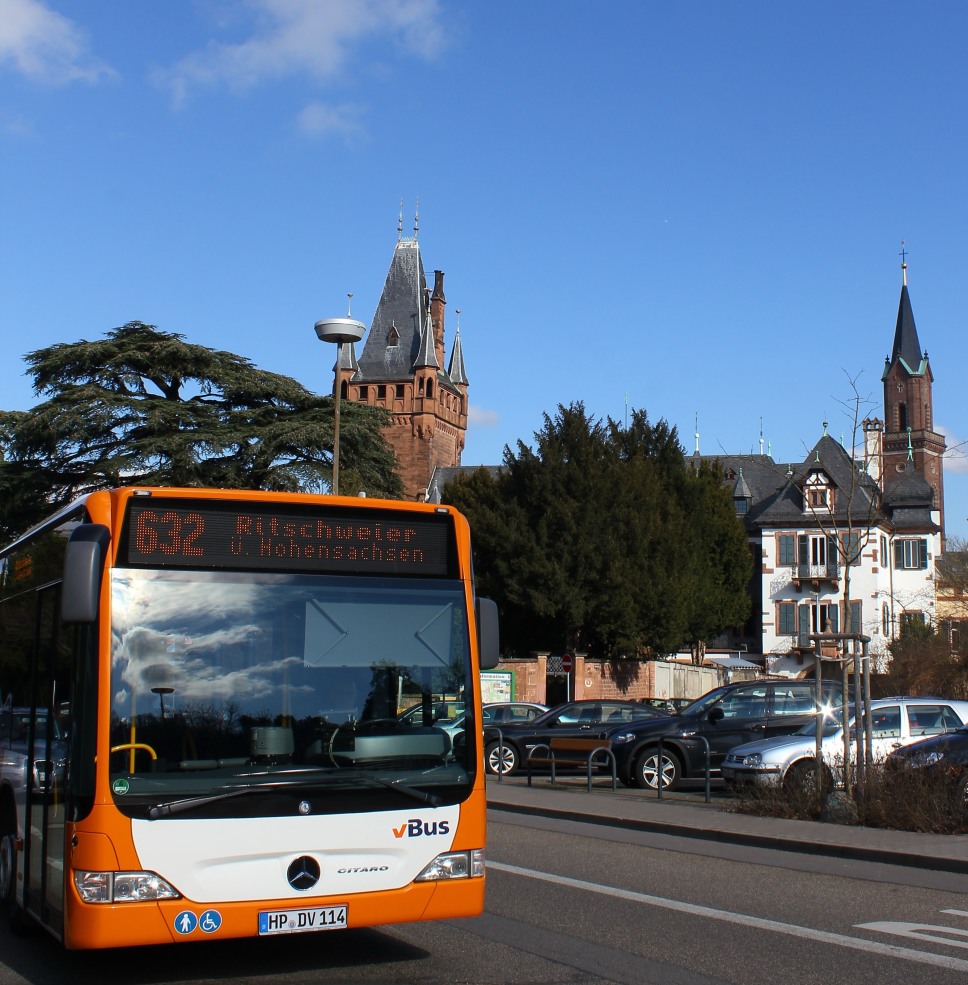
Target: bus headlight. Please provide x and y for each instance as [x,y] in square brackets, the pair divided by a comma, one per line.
[122,887]
[454,865]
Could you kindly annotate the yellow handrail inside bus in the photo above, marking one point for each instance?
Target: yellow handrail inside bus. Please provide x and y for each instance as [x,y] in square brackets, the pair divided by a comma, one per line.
[135,745]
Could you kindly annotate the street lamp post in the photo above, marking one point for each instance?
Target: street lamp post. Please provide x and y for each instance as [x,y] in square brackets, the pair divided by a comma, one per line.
[338,330]
[161,692]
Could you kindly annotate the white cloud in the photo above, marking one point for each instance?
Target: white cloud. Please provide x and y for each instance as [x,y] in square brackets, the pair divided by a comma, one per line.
[956,454]
[480,417]
[306,37]
[45,46]
[321,120]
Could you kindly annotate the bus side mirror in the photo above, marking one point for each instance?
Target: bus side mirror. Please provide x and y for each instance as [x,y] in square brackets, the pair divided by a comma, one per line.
[83,565]
[488,633]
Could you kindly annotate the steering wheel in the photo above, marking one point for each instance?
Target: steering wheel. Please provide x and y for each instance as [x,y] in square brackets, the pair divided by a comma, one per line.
[331,742]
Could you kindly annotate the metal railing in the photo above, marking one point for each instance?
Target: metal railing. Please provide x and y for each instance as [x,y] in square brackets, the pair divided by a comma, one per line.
[707,771]
[829,571]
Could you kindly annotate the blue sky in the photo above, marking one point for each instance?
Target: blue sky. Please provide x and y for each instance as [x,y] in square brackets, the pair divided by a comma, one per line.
[692,208]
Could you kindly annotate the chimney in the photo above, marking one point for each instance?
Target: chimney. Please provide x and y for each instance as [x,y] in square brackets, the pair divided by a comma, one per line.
[437,304]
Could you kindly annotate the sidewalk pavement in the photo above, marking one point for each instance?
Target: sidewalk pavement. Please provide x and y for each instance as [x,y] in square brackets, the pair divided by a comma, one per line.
[687,815]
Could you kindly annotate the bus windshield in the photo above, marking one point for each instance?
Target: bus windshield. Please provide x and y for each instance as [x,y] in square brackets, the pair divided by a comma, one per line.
[332,693]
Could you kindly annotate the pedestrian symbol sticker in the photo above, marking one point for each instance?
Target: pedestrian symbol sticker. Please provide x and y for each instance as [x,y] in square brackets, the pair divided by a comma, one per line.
[186,922]
[210,921]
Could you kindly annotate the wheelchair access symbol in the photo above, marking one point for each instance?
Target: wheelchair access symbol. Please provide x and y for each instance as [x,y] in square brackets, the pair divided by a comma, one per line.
[210,921]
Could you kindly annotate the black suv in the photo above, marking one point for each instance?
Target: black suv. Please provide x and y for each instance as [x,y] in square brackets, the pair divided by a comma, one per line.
[725,717]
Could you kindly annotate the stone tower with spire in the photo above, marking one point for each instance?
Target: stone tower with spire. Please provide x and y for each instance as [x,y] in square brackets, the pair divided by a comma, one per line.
[401,369]
[910,445]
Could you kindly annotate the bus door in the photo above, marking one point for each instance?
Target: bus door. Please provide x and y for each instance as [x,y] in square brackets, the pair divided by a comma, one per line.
[46,757]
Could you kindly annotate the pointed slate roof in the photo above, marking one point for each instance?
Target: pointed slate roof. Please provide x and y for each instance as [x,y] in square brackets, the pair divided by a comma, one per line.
[907,348]
[456,368]
[393,343]
[741,490]
[428,350]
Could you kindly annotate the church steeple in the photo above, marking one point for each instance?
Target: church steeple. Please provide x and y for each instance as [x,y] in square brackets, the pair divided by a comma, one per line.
[911,445]
[907,348]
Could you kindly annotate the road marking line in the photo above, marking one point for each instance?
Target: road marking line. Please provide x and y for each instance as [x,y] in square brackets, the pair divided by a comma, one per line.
[919,931]
[791,930]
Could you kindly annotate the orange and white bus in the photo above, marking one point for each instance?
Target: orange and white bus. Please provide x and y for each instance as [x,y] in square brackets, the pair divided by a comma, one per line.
[234,714]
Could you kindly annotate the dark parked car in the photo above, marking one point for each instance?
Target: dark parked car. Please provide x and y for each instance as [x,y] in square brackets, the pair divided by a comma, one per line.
[575,719]
[946,755]
[507,712]
[725,717]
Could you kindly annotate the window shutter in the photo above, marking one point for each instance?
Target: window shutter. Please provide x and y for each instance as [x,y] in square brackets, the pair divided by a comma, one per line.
[922,554]
[898,554]
[804,616]
[855,618]
[802,548]
[834,611]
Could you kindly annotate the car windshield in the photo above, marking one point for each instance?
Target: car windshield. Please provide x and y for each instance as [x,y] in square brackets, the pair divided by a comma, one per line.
[225,680]
[701,705]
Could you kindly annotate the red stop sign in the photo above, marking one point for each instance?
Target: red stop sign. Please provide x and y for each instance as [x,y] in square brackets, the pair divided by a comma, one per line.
[567,662]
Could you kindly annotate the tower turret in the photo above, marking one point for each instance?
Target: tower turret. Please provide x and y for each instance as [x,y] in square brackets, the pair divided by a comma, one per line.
[401,369]
[910,443]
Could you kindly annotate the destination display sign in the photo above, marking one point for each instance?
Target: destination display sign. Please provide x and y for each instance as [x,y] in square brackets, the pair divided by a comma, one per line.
[260,536]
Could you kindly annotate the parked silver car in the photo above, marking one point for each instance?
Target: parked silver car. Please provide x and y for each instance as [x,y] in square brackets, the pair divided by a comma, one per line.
[791,759]
[16,767]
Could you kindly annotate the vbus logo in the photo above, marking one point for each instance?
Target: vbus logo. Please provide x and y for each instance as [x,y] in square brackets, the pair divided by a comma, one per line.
[414,828]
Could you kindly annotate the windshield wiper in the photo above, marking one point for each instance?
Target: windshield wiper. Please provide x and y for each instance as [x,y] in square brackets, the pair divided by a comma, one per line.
[180,806]
[404,788]
[172,807]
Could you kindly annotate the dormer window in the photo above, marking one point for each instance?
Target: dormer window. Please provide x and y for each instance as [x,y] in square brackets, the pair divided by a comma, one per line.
[817,499]
[818,494]
[393,336]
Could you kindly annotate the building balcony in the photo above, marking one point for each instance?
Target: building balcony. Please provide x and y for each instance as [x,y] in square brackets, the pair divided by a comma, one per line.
[816,573]
[801,644]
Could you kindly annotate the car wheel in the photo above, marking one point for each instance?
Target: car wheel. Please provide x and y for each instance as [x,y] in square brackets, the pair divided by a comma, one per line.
[961,795]
[19,922]
[648,770]
[801,778]
[501,758]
